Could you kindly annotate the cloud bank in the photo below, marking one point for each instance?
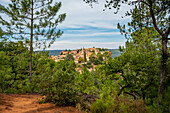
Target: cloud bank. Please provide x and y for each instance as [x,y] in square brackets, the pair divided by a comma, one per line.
[88,27]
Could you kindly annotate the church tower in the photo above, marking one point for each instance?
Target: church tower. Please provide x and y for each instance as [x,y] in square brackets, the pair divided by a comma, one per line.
[83,50]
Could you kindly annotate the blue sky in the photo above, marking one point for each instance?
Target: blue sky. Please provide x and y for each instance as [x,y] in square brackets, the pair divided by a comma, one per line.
[87,27]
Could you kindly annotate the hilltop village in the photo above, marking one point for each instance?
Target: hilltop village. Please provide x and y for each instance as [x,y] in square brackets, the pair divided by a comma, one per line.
[90,57]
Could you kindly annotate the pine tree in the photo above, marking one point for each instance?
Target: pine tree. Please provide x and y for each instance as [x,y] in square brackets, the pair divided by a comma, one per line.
[32,21]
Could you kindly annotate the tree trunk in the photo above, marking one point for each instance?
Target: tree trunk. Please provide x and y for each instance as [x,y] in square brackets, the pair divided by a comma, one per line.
[31,48]
[163,70]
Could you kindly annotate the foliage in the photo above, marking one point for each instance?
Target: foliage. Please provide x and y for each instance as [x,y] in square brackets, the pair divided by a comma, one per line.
[61,53]
[2,33]
[91,85]
[70,57]
[81,59]
[13,69]
[139,66]
[57,82]
[147,13]
[118,105]
[85,82]
[102,49]
[96,60]
[14,75]
[136,71]
[142,64]
[106,55]
[98,93]
[78,51]
[119,85]
[121,48]
[29,21]
[89,65]
[20,13]
[100,57]
[85,59]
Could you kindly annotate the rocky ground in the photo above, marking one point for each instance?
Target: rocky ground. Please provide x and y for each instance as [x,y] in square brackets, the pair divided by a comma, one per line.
[15,103]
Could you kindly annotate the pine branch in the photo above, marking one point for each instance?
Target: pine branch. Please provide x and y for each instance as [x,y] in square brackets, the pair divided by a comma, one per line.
[38,17]
[54,34]
[28,13]
[37,2]
[153,18]
[18,33]
[20,16]
[145,3]
[42,6]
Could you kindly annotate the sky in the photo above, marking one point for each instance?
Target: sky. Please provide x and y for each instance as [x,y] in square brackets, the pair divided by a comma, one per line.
[88,27]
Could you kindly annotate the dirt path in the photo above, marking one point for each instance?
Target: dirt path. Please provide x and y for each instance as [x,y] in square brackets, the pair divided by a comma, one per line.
[15,103]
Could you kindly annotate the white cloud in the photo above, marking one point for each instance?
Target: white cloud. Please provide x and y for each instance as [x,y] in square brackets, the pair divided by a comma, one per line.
[6,1]
[60,45]
[92,34]
[81,15]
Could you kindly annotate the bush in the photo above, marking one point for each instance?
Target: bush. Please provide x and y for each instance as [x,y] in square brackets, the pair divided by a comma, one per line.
[84,65]
[57,83]
[88,63]
[80,60]
[118,105]
[70,57]
[85,82]
[89,66]
[11,91]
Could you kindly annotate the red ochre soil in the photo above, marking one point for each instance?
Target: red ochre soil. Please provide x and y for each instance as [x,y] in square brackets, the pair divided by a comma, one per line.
[15,103]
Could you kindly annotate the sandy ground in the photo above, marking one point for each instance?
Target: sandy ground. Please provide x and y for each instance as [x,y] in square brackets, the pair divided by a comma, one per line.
[14,103]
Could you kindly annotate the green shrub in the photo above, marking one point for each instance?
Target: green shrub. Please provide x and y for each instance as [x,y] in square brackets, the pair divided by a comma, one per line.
[70,57]
[12,91]
[85,83]
[88,63]
[84,65]
[57,83]
[89,66]
[118,105]
[81,60]
[102,106]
